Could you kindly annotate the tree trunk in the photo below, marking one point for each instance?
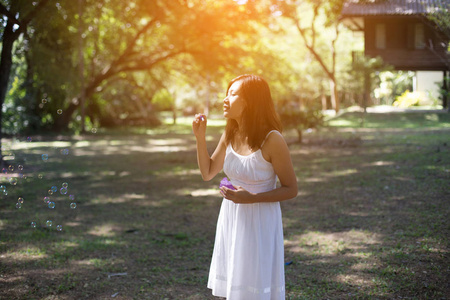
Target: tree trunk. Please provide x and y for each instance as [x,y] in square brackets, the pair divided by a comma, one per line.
[5,69]
[323,97]
[174,115]
[299,135]
[334,94]
[445,92]
[81,65]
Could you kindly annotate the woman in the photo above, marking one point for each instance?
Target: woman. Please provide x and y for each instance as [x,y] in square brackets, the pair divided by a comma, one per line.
[248,256]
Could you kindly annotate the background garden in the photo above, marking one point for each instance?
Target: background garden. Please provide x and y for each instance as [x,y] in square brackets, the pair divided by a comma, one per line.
[97,100]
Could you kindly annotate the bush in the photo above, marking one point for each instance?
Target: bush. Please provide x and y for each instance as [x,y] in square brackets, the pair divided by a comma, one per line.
[407,99]
[301,120]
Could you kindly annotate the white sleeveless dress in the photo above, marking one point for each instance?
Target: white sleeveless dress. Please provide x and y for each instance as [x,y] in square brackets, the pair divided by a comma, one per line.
[248,257]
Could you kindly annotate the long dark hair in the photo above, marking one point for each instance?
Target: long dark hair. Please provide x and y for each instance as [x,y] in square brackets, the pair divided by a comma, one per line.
[259,115]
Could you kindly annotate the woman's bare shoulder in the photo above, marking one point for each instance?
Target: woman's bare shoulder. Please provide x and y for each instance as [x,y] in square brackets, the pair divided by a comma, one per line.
[274,145]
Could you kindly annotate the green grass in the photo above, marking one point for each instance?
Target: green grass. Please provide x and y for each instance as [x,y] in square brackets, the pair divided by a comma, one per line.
[370,221]
[412,120]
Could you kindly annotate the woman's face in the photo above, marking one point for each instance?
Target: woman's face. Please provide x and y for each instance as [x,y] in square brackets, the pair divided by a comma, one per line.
[234,103]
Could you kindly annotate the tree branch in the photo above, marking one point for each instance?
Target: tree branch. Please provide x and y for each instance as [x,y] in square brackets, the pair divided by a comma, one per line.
[144,65]
[27,19]
[4,11]
[115,64]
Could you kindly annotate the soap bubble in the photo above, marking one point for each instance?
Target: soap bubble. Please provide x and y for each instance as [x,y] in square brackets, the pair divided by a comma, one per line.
[65,151]
[40,176]
[18,205]
[13,181]
[50,192]
[33,224]
[11,168]
[46,199]
[51,204]
[59,227]
[44,157]
[65,185]
[54,189]
[49,223]
[94,130]
[63,191]
[29,139]
[20,167]
[20,200]
[5,171]
[44,101]
[72,197]
[59,111]
[73,205]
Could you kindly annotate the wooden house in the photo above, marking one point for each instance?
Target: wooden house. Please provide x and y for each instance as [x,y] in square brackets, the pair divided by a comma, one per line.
[402,34]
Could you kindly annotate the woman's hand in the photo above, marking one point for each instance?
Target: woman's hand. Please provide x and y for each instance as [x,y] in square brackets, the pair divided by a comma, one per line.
[239,195]
[199,125]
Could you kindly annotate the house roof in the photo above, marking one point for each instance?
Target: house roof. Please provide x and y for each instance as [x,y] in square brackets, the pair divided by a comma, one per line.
[393,7]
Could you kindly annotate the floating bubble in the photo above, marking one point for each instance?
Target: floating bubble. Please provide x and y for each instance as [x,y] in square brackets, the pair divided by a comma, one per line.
[65,185]
[50,192]
[20,200]
[51,204]
[20,167]
[29,139]
[65,151]
[59,227]
[46,199]
[63,191]
[44,101]
[49,223]
[3,188]
[5,171]
[13,181]
[33,224]
[72,197]
[54,189]
[11,168]
[18,205]
[59,111]
[73,205]
[44,157]
[94,130]
[40,176]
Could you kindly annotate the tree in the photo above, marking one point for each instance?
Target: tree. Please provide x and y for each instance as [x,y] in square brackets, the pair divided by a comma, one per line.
[323,13]
[134,37]
[17,15]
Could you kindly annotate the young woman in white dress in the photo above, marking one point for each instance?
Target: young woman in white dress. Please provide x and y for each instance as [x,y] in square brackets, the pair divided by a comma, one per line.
[248,257]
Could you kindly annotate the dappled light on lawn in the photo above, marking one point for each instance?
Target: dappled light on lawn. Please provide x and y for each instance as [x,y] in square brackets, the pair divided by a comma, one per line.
[348,243]
[26,254]
[105,230]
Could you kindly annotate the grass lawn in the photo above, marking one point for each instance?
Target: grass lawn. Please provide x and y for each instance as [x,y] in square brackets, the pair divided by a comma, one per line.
[370,220]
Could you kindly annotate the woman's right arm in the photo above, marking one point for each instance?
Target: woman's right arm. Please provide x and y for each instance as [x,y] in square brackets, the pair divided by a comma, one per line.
[209,166]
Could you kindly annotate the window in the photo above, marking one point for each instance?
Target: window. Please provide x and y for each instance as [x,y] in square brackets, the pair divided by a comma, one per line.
[419,36]
[380,36]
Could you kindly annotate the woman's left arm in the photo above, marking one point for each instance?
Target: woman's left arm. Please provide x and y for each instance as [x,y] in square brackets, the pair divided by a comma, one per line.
[276,151]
